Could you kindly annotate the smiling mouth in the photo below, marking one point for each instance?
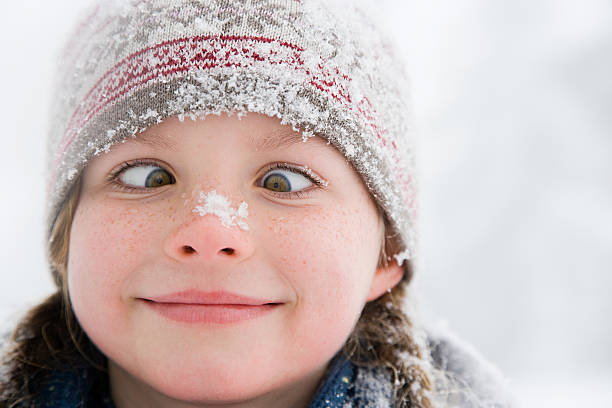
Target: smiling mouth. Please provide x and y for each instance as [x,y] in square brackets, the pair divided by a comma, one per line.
[193,306]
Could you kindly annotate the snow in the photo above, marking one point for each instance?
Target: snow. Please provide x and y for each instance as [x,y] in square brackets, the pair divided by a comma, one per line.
[402,256]
[219,205]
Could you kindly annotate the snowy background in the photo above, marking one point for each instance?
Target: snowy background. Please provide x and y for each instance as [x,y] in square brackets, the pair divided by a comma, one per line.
[513,100]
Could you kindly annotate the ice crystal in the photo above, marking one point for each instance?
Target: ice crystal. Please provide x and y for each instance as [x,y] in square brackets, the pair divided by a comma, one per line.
[402,257]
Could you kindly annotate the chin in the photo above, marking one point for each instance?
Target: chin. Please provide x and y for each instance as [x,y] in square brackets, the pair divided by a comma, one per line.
[217,387]
[214,385]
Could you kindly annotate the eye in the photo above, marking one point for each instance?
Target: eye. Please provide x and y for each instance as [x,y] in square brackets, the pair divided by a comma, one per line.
[286,180]
[145,176]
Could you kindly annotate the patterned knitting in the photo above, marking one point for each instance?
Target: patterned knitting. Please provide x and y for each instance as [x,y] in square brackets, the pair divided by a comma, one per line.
[319,66]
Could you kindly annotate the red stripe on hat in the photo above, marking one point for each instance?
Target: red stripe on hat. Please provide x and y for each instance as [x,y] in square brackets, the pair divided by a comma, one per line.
[168,58]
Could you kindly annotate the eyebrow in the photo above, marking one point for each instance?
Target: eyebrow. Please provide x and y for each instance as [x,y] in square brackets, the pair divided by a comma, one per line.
[156,141]
[281,139]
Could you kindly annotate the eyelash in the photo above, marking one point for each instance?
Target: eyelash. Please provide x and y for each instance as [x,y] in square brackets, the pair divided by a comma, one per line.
[318,183]
[113,177]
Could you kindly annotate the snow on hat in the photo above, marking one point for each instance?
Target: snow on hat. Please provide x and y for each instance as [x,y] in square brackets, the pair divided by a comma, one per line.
[320,66]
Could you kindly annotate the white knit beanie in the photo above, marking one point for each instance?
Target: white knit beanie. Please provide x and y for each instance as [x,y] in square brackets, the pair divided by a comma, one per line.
[320,66]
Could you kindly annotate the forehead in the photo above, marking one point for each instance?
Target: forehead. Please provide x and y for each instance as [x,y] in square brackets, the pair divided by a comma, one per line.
[260,134]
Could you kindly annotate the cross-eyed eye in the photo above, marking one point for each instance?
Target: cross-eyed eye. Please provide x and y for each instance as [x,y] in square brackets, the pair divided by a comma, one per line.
[285,179]
[145,176]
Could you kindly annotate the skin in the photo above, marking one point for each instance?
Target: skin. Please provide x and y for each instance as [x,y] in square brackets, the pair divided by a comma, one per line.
[315,255]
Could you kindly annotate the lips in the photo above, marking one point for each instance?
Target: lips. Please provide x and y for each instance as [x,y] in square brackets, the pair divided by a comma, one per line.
[193,306]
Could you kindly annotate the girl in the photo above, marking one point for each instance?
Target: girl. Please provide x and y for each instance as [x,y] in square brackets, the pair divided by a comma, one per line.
[231,218]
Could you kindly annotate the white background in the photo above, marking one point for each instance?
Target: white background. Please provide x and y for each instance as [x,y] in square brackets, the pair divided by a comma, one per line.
[513,100]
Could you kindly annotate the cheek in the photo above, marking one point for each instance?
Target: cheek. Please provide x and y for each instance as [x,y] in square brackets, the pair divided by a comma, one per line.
[329,257]
[107,243]
[333,244]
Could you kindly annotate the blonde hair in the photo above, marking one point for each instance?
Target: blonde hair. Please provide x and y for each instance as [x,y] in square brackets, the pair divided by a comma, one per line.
[384,337]
[50,335]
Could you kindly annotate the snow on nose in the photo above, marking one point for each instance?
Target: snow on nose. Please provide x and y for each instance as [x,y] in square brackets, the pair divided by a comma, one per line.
[219,205]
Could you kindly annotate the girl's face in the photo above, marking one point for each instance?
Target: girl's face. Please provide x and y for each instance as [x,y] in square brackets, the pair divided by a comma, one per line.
[192,299]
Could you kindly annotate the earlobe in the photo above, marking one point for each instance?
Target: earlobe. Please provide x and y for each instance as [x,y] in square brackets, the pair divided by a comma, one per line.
[385,277]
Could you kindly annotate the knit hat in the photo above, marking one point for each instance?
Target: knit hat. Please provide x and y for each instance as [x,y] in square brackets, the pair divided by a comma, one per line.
[320,66]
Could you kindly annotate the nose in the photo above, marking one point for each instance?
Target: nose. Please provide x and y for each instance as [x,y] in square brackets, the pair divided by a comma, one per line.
[205,238]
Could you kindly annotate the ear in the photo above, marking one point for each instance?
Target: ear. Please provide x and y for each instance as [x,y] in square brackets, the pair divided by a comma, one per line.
[385,277]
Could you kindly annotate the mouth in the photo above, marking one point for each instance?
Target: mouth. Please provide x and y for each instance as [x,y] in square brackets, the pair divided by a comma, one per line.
[192,306]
